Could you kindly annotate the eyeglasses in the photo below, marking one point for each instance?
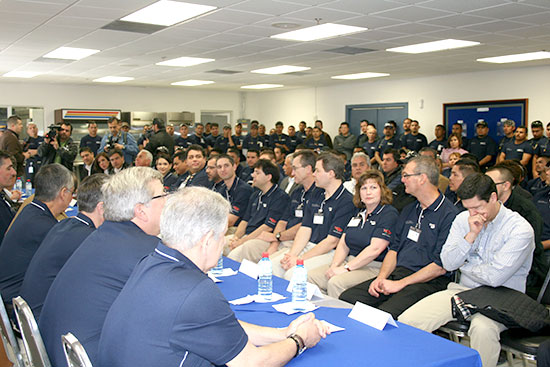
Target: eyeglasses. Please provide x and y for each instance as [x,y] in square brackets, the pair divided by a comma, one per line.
[407,175]
[164,194]
[500,183]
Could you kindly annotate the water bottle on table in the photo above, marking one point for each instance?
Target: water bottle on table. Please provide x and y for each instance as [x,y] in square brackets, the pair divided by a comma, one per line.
[218,269]
[19,184]
[299,287]
[28,187]
[265,277]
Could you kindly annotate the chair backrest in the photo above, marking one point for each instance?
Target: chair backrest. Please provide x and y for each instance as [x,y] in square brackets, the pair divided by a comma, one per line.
[74,352]
[8,338]
[544,293]
[32,340]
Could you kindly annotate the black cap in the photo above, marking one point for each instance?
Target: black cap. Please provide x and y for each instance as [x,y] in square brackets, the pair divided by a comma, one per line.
[536,123]
[482,124]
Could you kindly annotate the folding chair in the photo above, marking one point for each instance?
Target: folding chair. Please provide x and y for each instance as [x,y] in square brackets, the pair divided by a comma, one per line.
[32,340]
[8,338]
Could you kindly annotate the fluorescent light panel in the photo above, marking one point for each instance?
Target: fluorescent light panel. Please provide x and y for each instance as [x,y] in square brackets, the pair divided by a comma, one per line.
[193,83]
[319,32]
[517,57]
[185,61]
[113,79]
[447,44]
[359,76]
[70,53]
[167,13]
[282,69]
[262,86]
[21,74]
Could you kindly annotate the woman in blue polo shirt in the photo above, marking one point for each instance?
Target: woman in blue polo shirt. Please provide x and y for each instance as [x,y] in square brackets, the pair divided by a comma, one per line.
[362,247]
[164,165]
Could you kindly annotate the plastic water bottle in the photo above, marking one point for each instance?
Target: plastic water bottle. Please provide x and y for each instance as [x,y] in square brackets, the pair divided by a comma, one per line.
[265,277]
[218,269]
[299,288]
[19,184]
[28,187]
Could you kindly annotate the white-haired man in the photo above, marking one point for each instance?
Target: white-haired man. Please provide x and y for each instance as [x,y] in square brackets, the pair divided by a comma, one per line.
[360,163]
[180,330]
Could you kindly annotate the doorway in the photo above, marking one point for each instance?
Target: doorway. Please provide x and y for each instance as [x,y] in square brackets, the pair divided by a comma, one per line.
[377,114]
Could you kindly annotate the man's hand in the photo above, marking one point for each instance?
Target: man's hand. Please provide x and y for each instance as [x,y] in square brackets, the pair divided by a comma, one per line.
[55,144]
[311,330]
[335,270]
[267,236]
[16,195]
[119,146]
[273,247]
[235,242]
[375,287]
[476,223]
[288,261]
[391,286]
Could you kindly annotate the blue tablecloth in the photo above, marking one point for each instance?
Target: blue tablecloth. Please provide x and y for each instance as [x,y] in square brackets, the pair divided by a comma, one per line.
[359,344]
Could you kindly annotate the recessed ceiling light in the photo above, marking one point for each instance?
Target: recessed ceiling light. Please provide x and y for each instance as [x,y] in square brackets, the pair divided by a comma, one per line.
[262,86]
[517,57]
[113,79]
[359,76]
[185,61]
[319,32]
[193,83]
[282,69]
[433,46]
[21,74]
[70,53]
[167,13]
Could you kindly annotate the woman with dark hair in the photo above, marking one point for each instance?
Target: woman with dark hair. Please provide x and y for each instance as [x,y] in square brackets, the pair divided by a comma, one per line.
[102,164]
[164,165]
[453,146]
[362,247]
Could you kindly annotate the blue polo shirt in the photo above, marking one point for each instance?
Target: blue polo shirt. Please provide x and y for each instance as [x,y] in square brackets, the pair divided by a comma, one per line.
[337,211]
[198,179]
[238,140]
[211,139]
[543,147]
[482,147]
[251,142]
[370,148]
[293,142]
[378,224]
[320,144]
[435,223]
[58,245]
[278,139]
[91,142]
[238,196]
[300,198]
[438,145]
[266,208]
[503,142]
[199,140]
[183,142]
[246,174]
[7,212]
[515,151]
[542,202]
[20,244]
[383,145]
[222,143]
[414,142]
[88,284]
[170,314]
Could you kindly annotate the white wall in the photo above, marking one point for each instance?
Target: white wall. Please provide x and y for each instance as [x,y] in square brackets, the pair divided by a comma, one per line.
[126,98]
[328,103]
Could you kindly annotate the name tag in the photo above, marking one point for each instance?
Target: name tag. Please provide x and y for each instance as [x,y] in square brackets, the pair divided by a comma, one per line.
[318,218]
[414,234]
[354,222]
[299,213]
[482,143]
[520,150]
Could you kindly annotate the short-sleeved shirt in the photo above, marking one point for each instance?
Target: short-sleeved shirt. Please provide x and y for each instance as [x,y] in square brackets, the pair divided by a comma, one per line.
[238,196]
[88,284]
[278,139]
[266,208]
[515,151]
[7,213]
[199,140]
[542,148]
[91,142]
[370,148]
[320,144]
[222,143]
[378,224]
[20,244]
[542,202]
[438,145]
[392,143]
[336,210]
[238,140]
[299,200]
[434,222]
[180,141]
[503,142]
[414,142]
[56,248]
[293,142]
[188,179]
[192,325]
[211,140]
[482,147]
[251,142]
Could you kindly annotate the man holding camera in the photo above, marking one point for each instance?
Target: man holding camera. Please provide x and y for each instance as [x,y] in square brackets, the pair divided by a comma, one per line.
[58,146]
[121,140]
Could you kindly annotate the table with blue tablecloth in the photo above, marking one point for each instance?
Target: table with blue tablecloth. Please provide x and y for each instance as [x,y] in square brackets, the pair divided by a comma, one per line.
[359,344]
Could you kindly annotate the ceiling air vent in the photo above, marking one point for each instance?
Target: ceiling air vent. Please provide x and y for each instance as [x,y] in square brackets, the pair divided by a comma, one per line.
[119,25]
[350,50]
[221,71]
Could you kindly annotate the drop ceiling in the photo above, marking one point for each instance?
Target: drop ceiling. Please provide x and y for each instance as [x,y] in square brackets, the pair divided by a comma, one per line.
[237,36]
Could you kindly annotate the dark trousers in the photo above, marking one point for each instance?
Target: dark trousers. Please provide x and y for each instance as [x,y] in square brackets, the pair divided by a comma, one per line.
[398,302]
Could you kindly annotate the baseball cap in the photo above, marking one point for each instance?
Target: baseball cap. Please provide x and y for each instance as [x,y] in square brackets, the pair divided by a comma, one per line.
[482,124]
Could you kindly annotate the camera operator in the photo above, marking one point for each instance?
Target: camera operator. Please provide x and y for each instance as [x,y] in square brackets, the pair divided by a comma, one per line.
[121,140]
[58,146]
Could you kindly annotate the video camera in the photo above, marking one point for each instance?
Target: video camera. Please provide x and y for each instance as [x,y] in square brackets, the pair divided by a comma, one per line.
[53,130]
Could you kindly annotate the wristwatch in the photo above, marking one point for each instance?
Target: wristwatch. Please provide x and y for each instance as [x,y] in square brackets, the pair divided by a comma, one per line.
[278,236]
[300,345]
[347,267]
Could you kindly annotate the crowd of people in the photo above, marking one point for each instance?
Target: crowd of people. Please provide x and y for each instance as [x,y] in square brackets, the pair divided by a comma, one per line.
[384,221]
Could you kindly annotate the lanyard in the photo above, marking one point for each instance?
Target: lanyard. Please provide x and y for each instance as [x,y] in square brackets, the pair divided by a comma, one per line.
[268,194]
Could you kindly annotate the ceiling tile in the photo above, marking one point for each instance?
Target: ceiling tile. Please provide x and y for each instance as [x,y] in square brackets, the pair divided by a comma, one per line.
[413,13]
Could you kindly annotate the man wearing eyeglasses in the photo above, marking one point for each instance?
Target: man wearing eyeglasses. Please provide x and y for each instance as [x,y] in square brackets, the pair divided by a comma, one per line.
[412,268]
[59,149]
[92,278]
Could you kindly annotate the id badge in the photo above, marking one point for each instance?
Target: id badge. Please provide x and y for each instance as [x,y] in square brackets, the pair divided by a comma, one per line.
[354,222]
[414,234]
[299,213]
[318,218]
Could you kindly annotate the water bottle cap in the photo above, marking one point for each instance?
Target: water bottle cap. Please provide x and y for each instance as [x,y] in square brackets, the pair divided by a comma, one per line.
[28,180]
[300,262]
[265,254]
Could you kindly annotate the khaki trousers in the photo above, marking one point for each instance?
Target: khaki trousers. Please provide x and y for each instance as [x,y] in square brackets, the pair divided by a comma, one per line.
[252,250]
[309,264]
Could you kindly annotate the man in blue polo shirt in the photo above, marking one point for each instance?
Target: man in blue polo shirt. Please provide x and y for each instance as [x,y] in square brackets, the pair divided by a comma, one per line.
[195,158]
[412,268]
[92,278]
[189,322]
[323,222]
[235,190]
[265,207]
[7,179]
[61,241]
[518,148]
[415,140]
[483,146]
[390,141]
[54,191]
[439,143]
[279,139]
[253,140]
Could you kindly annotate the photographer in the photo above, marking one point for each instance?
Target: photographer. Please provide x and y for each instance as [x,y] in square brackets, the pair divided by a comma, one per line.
[58,146]
[121,140]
